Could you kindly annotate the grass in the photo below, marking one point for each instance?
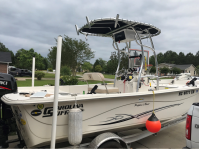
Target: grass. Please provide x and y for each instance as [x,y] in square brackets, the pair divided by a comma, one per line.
[28,82]
[163,78]
[109,76]
[79,73]
[167,78]
[78,77]
[49,75]
[92,82]
[105,75]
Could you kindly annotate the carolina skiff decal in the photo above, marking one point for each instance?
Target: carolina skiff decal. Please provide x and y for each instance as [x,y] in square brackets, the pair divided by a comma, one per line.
[118,118]
[36,112]
[62,110]
[186,92]
[141,104]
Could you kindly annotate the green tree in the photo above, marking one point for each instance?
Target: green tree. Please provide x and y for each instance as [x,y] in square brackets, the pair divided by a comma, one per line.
[176,70]
[112,63]
[4,49]
[153,69]
[23,59]
[164,70]
[189,58]
[170,57]
[95,64]
[74,53]
[196,59]
[98,68]
[197,70]
[124,61]
[52,56]
[46,63]
[152,60]
[181,58]
[103,64]
[65,70]
[87,66]
[160,58]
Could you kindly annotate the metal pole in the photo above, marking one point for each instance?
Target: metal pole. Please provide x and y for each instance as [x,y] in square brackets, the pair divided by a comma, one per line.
[129,54]
[156,61]
[127,46]
[118,64]
[56,91]
[142,58]
[33,71]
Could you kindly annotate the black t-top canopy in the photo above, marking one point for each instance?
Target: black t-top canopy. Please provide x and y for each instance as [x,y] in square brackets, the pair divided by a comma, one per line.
[106,27]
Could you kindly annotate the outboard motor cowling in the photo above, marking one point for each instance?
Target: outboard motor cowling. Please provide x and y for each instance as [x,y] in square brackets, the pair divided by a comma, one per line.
[7,85]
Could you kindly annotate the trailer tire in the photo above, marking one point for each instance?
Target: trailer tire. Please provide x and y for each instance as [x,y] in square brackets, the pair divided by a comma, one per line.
[111,144]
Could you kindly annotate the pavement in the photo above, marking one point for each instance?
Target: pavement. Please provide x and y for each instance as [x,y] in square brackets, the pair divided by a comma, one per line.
[172,137]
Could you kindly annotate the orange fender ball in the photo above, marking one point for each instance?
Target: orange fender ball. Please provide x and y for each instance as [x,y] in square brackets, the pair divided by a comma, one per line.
[153,124]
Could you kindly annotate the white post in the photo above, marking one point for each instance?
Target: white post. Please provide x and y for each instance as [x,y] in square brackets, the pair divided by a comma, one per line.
[56,91]
[33,71]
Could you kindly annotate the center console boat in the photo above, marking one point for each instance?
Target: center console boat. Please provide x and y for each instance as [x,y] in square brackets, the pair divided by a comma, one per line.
[125,105]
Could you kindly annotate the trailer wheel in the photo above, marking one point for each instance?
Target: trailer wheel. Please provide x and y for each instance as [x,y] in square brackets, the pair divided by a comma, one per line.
[111,144]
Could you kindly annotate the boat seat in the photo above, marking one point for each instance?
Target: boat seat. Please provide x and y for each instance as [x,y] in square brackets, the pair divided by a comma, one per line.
[99,77]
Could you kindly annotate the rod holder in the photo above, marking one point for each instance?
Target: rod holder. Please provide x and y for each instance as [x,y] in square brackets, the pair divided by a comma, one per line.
[116,20]
[88,22]
[77,30]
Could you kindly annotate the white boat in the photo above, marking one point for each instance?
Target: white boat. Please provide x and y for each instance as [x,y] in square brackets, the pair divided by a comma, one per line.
[125,105]
[179,81]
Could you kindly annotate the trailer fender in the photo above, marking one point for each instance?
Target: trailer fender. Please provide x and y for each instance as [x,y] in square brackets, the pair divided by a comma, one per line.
[104,137]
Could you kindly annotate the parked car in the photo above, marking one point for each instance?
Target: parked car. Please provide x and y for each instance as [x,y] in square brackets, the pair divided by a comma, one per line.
[19,72]
[192,127]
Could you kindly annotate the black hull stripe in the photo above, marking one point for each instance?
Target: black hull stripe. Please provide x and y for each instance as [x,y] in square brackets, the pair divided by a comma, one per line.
[138,102]
[146,113]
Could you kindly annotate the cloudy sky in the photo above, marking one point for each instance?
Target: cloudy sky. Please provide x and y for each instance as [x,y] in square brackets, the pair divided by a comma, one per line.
[35,23]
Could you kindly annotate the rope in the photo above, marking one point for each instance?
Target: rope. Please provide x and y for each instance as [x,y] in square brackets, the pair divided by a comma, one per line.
[153,101]
[144,83]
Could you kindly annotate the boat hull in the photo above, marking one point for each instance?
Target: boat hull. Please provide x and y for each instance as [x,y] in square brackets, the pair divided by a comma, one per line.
[101,114]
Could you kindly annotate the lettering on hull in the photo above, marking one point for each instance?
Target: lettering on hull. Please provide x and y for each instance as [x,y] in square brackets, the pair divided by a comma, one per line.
[62,110]
[186,92]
